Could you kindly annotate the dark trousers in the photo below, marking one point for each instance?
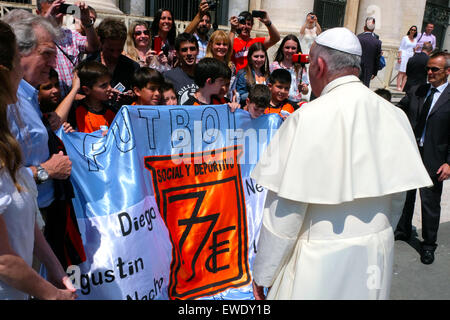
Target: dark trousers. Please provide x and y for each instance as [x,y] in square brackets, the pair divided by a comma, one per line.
[54,230]
[431,213]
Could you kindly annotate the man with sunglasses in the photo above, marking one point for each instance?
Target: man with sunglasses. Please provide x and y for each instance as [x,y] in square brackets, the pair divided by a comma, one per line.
[428,110]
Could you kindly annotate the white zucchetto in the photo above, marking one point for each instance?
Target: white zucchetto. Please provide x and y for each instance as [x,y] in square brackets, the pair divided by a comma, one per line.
[341,39]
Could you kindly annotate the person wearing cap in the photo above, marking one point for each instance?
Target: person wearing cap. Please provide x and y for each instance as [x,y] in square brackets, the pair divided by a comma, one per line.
[337,172]
[371,52]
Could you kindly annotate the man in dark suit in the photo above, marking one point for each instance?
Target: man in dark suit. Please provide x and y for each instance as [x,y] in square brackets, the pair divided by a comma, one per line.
[371,52]
[428,109]
[415,69]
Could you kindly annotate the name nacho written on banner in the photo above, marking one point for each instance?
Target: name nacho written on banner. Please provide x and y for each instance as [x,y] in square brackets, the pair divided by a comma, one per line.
[156,226]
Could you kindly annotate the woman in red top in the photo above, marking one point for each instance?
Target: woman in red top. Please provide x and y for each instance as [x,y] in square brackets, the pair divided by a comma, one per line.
[243,42]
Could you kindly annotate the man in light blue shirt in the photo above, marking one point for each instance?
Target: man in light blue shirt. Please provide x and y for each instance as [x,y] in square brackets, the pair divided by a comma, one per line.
[32,136]
[35,39]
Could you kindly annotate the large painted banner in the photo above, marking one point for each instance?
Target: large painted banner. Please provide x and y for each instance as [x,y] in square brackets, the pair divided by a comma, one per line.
[165,204]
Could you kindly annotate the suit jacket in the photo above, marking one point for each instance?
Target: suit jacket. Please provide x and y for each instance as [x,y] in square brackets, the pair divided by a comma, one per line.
[371,52]
[415,70]
[436,147]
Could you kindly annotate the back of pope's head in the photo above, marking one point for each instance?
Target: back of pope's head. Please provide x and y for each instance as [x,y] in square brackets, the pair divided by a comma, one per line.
[365,143]
[335,53]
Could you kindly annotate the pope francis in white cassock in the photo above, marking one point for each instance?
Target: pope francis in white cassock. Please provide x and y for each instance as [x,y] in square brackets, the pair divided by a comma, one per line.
[337,172]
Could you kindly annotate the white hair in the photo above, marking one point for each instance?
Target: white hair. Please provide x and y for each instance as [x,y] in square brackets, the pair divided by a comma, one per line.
[24,24]
[337,61]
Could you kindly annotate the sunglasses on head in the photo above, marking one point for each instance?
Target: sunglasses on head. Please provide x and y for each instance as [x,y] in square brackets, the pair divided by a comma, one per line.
[138,33]
[433,69]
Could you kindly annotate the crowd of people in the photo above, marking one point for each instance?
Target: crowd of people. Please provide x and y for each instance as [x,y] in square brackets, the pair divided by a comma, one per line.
[78,79]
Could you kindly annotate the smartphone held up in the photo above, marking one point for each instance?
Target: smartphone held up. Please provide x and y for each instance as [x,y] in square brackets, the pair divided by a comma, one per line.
[300,58]
[157,44]
[258,14]
[212,4]
[66,8]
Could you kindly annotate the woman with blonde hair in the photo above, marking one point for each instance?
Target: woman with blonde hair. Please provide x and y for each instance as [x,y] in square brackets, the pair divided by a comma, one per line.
[138,42]
[221,48]
[139,47]
[20,236]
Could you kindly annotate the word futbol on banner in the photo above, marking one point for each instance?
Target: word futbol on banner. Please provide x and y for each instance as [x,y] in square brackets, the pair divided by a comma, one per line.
[165,204]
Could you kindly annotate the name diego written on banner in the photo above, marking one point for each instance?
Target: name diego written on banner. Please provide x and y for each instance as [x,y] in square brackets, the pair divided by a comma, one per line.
[181,196]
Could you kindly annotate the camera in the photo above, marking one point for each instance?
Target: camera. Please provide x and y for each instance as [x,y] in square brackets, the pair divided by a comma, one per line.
[300,58]
[258,14]
[64,8]
[212,4]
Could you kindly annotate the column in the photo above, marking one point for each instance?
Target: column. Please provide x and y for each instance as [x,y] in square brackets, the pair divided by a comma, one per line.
[137,7]
[388,25]
[287,15]
[104,6]
[237,6]
[351,14]
[446,44]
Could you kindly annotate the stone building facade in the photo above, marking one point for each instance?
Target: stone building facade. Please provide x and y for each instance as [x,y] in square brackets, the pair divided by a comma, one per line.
[393,18]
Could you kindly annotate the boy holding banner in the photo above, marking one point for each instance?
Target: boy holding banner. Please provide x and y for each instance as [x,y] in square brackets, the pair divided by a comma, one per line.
[92,113]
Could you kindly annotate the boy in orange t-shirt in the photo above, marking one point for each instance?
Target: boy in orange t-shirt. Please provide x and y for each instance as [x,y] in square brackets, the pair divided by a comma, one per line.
[279,85]
[92,113]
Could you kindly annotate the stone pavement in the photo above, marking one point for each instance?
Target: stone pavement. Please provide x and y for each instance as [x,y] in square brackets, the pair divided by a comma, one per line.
[412,280]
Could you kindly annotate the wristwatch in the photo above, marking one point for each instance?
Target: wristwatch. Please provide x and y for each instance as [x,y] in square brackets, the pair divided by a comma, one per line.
[41,174]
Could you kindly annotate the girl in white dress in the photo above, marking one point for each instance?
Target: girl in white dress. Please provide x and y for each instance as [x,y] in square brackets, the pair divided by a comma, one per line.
[406,51]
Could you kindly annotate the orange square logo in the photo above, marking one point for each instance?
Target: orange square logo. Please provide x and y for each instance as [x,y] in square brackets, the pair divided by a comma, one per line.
[202,203]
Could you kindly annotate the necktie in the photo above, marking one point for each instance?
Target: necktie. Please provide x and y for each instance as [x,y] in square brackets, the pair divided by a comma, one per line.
[424,114]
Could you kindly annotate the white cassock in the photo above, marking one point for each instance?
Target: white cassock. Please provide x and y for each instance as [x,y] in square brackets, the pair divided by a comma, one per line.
[337,172]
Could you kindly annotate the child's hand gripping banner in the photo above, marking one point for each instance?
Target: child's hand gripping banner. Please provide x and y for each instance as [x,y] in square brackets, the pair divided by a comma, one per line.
[165,204]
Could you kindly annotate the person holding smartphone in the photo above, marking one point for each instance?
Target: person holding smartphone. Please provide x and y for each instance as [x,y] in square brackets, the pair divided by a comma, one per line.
[200,27]
[243,41]
[163,26]
[71,45]
[284,59]
[309,31]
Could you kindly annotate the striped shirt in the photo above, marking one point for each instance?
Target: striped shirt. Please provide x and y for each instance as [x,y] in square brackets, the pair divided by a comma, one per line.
[202,45]
[73,44]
